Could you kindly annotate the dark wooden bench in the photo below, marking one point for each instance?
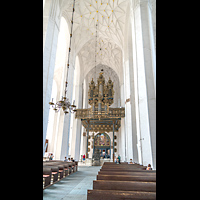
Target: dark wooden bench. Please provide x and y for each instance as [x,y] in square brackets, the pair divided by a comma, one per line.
[65,167]
[126,178]
[54,172]
[124,181]
[73,165]
[126,170]
[138,173]
[47,176]
[119,195]
[113,163]
[121,164]
[124,167]
[71,168]
[61,168]
[124,185]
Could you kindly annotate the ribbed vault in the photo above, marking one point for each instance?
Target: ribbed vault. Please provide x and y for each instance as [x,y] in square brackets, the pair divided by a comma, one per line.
[110,18]
[109,14]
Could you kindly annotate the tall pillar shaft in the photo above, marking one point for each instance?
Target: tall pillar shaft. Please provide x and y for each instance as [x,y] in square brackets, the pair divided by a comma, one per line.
[150,72]
[128,116]
[122,128]
[76,129]
[49,55]
[113,141]
[87,138]
[141,61]
[67,118]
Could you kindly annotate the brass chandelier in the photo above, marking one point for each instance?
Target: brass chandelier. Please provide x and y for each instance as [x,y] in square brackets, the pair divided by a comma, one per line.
[64,103]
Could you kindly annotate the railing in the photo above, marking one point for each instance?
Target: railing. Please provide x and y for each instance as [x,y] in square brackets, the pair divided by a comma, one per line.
[88,113]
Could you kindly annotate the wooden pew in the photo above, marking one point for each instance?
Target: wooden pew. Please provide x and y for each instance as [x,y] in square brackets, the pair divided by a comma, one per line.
[54,172]
[119,195]
[126,178]
[47,176]
[127,170]
[124,185]
[138,173]
[60,168]
[121,164]
[124,167]
[113,163]
[73,165]
[70,165]
[65,167]
[124,181]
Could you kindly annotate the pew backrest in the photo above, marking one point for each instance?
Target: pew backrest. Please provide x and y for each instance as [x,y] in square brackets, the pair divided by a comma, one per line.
[124,185]
[126,178]
[138,173]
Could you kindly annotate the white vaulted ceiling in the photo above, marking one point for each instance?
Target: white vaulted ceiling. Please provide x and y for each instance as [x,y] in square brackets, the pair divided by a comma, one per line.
[110,17]
[110,54]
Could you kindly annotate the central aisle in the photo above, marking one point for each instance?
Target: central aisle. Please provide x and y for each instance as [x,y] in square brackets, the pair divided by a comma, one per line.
[74,186]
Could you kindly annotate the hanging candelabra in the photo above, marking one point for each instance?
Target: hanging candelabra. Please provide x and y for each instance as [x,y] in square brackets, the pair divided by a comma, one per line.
[64,103]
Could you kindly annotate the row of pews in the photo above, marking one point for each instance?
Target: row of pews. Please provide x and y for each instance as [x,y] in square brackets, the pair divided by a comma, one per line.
[123,181]
[55,170]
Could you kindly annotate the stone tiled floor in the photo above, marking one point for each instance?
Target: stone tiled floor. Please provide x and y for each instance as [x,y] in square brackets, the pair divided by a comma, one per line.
[74,186]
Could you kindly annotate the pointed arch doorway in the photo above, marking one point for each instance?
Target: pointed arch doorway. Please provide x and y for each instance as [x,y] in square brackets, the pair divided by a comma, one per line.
[102,142]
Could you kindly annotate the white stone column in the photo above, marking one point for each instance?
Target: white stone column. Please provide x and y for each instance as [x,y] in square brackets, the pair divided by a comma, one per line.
[111,150]
[60,134]
[49,56]
[122,128]
[133,97]
[140,62]
[59,76]
[76,129]
[150,72]
[128,114]
[43,4]
[83,142]
[46,10]
[85,95]
[67,118]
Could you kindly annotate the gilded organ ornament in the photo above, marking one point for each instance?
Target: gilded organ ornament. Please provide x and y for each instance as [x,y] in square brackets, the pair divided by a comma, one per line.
[100,117]
[100,96]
